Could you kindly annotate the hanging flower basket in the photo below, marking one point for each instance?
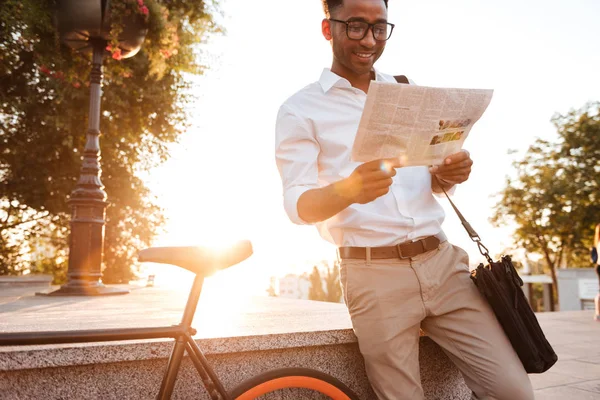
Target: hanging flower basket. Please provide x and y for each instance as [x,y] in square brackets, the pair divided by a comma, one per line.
[123,24]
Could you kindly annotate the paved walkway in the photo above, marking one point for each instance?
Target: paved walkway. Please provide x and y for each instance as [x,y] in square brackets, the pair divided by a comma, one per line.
[573,334]
[576,339]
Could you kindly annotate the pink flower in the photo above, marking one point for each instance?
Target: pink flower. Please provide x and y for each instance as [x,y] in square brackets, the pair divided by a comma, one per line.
[117,54]
[109,47]
[144,10]
[140,3]
[76,85]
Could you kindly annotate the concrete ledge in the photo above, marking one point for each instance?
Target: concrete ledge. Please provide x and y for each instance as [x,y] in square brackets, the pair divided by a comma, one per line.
[48,356]
[140,379]
[267,333]
[34,280]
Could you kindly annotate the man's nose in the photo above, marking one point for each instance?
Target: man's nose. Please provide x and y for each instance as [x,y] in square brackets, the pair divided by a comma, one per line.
[369,39]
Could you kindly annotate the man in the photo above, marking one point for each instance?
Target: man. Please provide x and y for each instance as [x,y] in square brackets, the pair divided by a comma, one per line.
[398,272]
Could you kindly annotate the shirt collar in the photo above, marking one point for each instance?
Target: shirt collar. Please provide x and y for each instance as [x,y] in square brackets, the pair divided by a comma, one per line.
[330,79]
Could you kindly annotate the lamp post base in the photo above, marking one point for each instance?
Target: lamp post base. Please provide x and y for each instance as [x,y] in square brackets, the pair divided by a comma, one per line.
[97,289]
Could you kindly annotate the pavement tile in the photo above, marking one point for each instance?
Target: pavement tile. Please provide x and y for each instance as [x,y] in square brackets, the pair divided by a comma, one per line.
[577,369]
[568,352]
[591,345]
[551,379]
[565,356]
[565,392]
[594,359]
[592,386]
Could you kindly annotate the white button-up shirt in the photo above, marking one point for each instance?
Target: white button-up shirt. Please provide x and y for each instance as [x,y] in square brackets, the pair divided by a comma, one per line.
[315,131]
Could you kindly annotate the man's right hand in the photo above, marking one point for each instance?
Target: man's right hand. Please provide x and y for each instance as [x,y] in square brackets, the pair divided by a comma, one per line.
[366,183]
[369,180]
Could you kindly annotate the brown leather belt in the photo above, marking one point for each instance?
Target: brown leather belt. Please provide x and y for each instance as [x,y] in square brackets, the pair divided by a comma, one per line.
[402,251]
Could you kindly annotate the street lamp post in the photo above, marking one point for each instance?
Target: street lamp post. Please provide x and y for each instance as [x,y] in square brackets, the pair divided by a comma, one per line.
[88,203]
[83,26]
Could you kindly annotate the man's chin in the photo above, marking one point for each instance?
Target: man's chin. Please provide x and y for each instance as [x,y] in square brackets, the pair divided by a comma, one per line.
[363,69]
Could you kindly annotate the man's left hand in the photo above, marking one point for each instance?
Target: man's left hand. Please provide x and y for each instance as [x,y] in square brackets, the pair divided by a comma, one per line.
[455,169]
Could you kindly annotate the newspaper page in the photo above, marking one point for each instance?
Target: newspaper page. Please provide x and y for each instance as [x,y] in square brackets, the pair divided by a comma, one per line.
[420,125]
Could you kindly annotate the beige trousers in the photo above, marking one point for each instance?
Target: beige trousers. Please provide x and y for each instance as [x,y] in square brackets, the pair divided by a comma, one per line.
[389,300]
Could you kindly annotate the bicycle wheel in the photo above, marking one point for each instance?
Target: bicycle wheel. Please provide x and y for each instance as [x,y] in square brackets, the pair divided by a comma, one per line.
[293,383]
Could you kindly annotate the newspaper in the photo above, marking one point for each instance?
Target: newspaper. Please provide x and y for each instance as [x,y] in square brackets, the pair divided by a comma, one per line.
[418,124]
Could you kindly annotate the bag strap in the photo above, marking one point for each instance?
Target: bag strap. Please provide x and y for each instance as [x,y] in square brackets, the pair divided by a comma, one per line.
[401,79]
[472,234]
[470,231]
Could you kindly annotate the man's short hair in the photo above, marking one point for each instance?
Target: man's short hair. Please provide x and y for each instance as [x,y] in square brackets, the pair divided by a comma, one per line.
[329,5]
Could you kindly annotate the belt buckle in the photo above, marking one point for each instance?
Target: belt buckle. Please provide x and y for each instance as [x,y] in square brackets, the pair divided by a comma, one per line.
[400,252]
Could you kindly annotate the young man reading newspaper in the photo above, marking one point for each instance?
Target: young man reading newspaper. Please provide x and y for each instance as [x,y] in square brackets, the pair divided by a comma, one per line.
[399,273]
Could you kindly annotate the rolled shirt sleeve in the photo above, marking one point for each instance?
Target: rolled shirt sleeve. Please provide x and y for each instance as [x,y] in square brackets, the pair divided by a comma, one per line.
[296,154]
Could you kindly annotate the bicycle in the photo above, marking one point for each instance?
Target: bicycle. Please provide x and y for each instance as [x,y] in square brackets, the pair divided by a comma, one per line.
[202,262]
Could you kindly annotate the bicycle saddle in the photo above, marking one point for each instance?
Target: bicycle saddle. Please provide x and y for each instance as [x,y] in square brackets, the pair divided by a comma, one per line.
[200,260]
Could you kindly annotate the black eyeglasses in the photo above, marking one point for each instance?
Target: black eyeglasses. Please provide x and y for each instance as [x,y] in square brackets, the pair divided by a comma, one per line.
[357,30]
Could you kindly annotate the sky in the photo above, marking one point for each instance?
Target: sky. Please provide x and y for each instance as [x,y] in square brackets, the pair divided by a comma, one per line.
[221,183]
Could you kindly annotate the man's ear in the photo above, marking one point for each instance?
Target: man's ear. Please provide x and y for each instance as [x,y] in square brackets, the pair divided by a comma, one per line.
[326,28]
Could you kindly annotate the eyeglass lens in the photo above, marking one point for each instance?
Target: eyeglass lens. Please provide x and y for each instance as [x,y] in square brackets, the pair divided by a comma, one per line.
[358,29]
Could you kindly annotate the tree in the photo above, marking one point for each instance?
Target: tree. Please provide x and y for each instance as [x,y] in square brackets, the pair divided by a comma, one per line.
[272,289]
[554,198]
[315,291]
[332,291]
[43,120]
[332,283]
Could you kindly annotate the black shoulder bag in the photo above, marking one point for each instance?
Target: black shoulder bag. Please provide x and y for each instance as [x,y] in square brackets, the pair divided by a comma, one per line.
[500,284]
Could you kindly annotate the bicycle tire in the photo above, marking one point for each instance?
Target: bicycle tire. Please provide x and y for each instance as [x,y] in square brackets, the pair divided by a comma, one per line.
[293,378]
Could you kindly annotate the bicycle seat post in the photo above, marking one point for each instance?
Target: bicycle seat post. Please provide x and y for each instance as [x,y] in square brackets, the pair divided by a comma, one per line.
[192,301]
[168,382]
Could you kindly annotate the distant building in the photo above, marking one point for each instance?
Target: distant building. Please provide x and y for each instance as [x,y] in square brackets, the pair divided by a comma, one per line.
[294,286]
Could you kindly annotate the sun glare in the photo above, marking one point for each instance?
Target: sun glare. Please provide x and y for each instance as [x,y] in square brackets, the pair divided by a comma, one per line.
[221,183]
